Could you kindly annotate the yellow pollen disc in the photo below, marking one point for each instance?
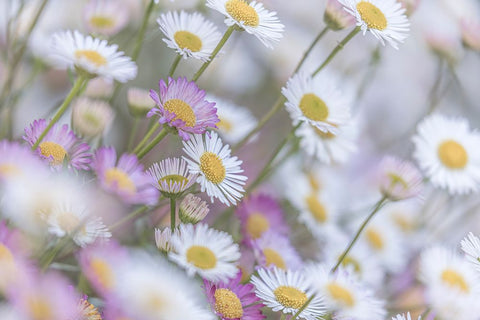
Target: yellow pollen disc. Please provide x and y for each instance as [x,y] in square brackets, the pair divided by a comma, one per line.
[92,56]
[172,178]
[212,166]
[242,12]
[316,208]
[188,40]
[455,280]
[290,297]
[403,223]
[395,179]
[228,304]
[182,111]
[39,309]
[272,257]
[89,312]
[375,239]
[5,255]
[341,294]
[350,261]
[225,125]
[68,221]
[115,176]
[102,22]
[103,273]
[372,16]
[9,170]
[314,183]
[201,257]
[257,224]
[313,107]
[324,135]
[56,151]
[453,155]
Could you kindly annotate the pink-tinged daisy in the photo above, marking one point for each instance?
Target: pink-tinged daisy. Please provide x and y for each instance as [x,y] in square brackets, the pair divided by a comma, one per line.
[232,300]
[17,161]
[59,145]
[273,249]
[259,214]
[399,179]
[182,105]
[124,177]
[171,176]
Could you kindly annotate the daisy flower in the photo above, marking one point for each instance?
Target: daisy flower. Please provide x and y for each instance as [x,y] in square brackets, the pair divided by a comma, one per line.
[335,17]
[105,17]
[182,105]
[192,209]
[210,253]
[219,172]
[232,300]
[287,291]
[189,34]
[91,118]
[91,56]
[124,177]
[404,317]
[447,151]
[273,249]
[59,145]
[317,101]
[87,311]
[171,176]
[17,161]
[471,247]
[251,17]
[399,179]
[12,257]
[139,102]
[385,19]
[99,88]
[163,238]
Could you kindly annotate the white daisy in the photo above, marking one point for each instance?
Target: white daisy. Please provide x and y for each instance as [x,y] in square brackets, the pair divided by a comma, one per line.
[171,176]
[210,253]
[287,291]
[344,295]
[273,249]
[385,19]
[404,317]
[162,239]
[471,248]
[399,179]
[219,172]
[316,101]
[251,17]
[192,209]
[447,151]
[105,17]
[91,118]
[189,34]
[92,56]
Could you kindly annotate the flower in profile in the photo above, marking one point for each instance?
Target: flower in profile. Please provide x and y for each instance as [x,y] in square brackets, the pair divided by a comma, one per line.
[335,17]
[163,238]
[124,177]
[192,209]
[232,300]
[91,56]
[189,34]
[182,105]
[251,17]
[17,161]
[471,247]
[139,102]
[59,145]
[218,171]
[105,17]
[447,151]
[91,118]
[399,179]
[210,253]
[385,19]
[287,291]
[99,88]
[273,249]
[171,176]
[317,101]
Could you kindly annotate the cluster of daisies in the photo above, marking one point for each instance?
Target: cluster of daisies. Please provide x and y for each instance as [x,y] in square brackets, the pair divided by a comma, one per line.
[123,203]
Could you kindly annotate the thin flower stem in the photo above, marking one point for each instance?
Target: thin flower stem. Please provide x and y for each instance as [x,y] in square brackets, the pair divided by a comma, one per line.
[142,31]
[377,207]
[133,133]
[337,49]
[217,49]
[152,144]
[50,255]
[128,217]
[310,48]
[174,65]
[77,86]
[283,316]
[172,213]
[145,139]
[305,305]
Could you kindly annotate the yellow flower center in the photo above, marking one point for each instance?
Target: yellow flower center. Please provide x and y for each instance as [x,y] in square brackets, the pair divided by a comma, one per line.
[89,312]
[403,223]
[225,125]
[453,155]
[115,176]
[314,183]
[375,239]
[316,208]
[182,111]
[91,56]
[6,256]
[273,257]
[324,135]
[350,261]
[54,150]
[212,166]
[172,178]
[9,170]
[396,179]
[102,22]
[103,273]
[455,280]
[340,294]
[39,308]
[257,224]
[290,297]
[68,221]
[188,40]
[201,257]
[241,11]
[228,304]
[372,15]
[154,302]
[313,107]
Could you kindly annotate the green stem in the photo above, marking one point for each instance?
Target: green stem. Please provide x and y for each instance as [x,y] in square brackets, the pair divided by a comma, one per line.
[172,213]
[310,48]
[283,316]
[145,139]
[217,49]
[337,49]
[174,65]
[128,217]
[61,110]
[51,253]
[133,133]
[377,207]
[142,31]
[295,316]
[152,144]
